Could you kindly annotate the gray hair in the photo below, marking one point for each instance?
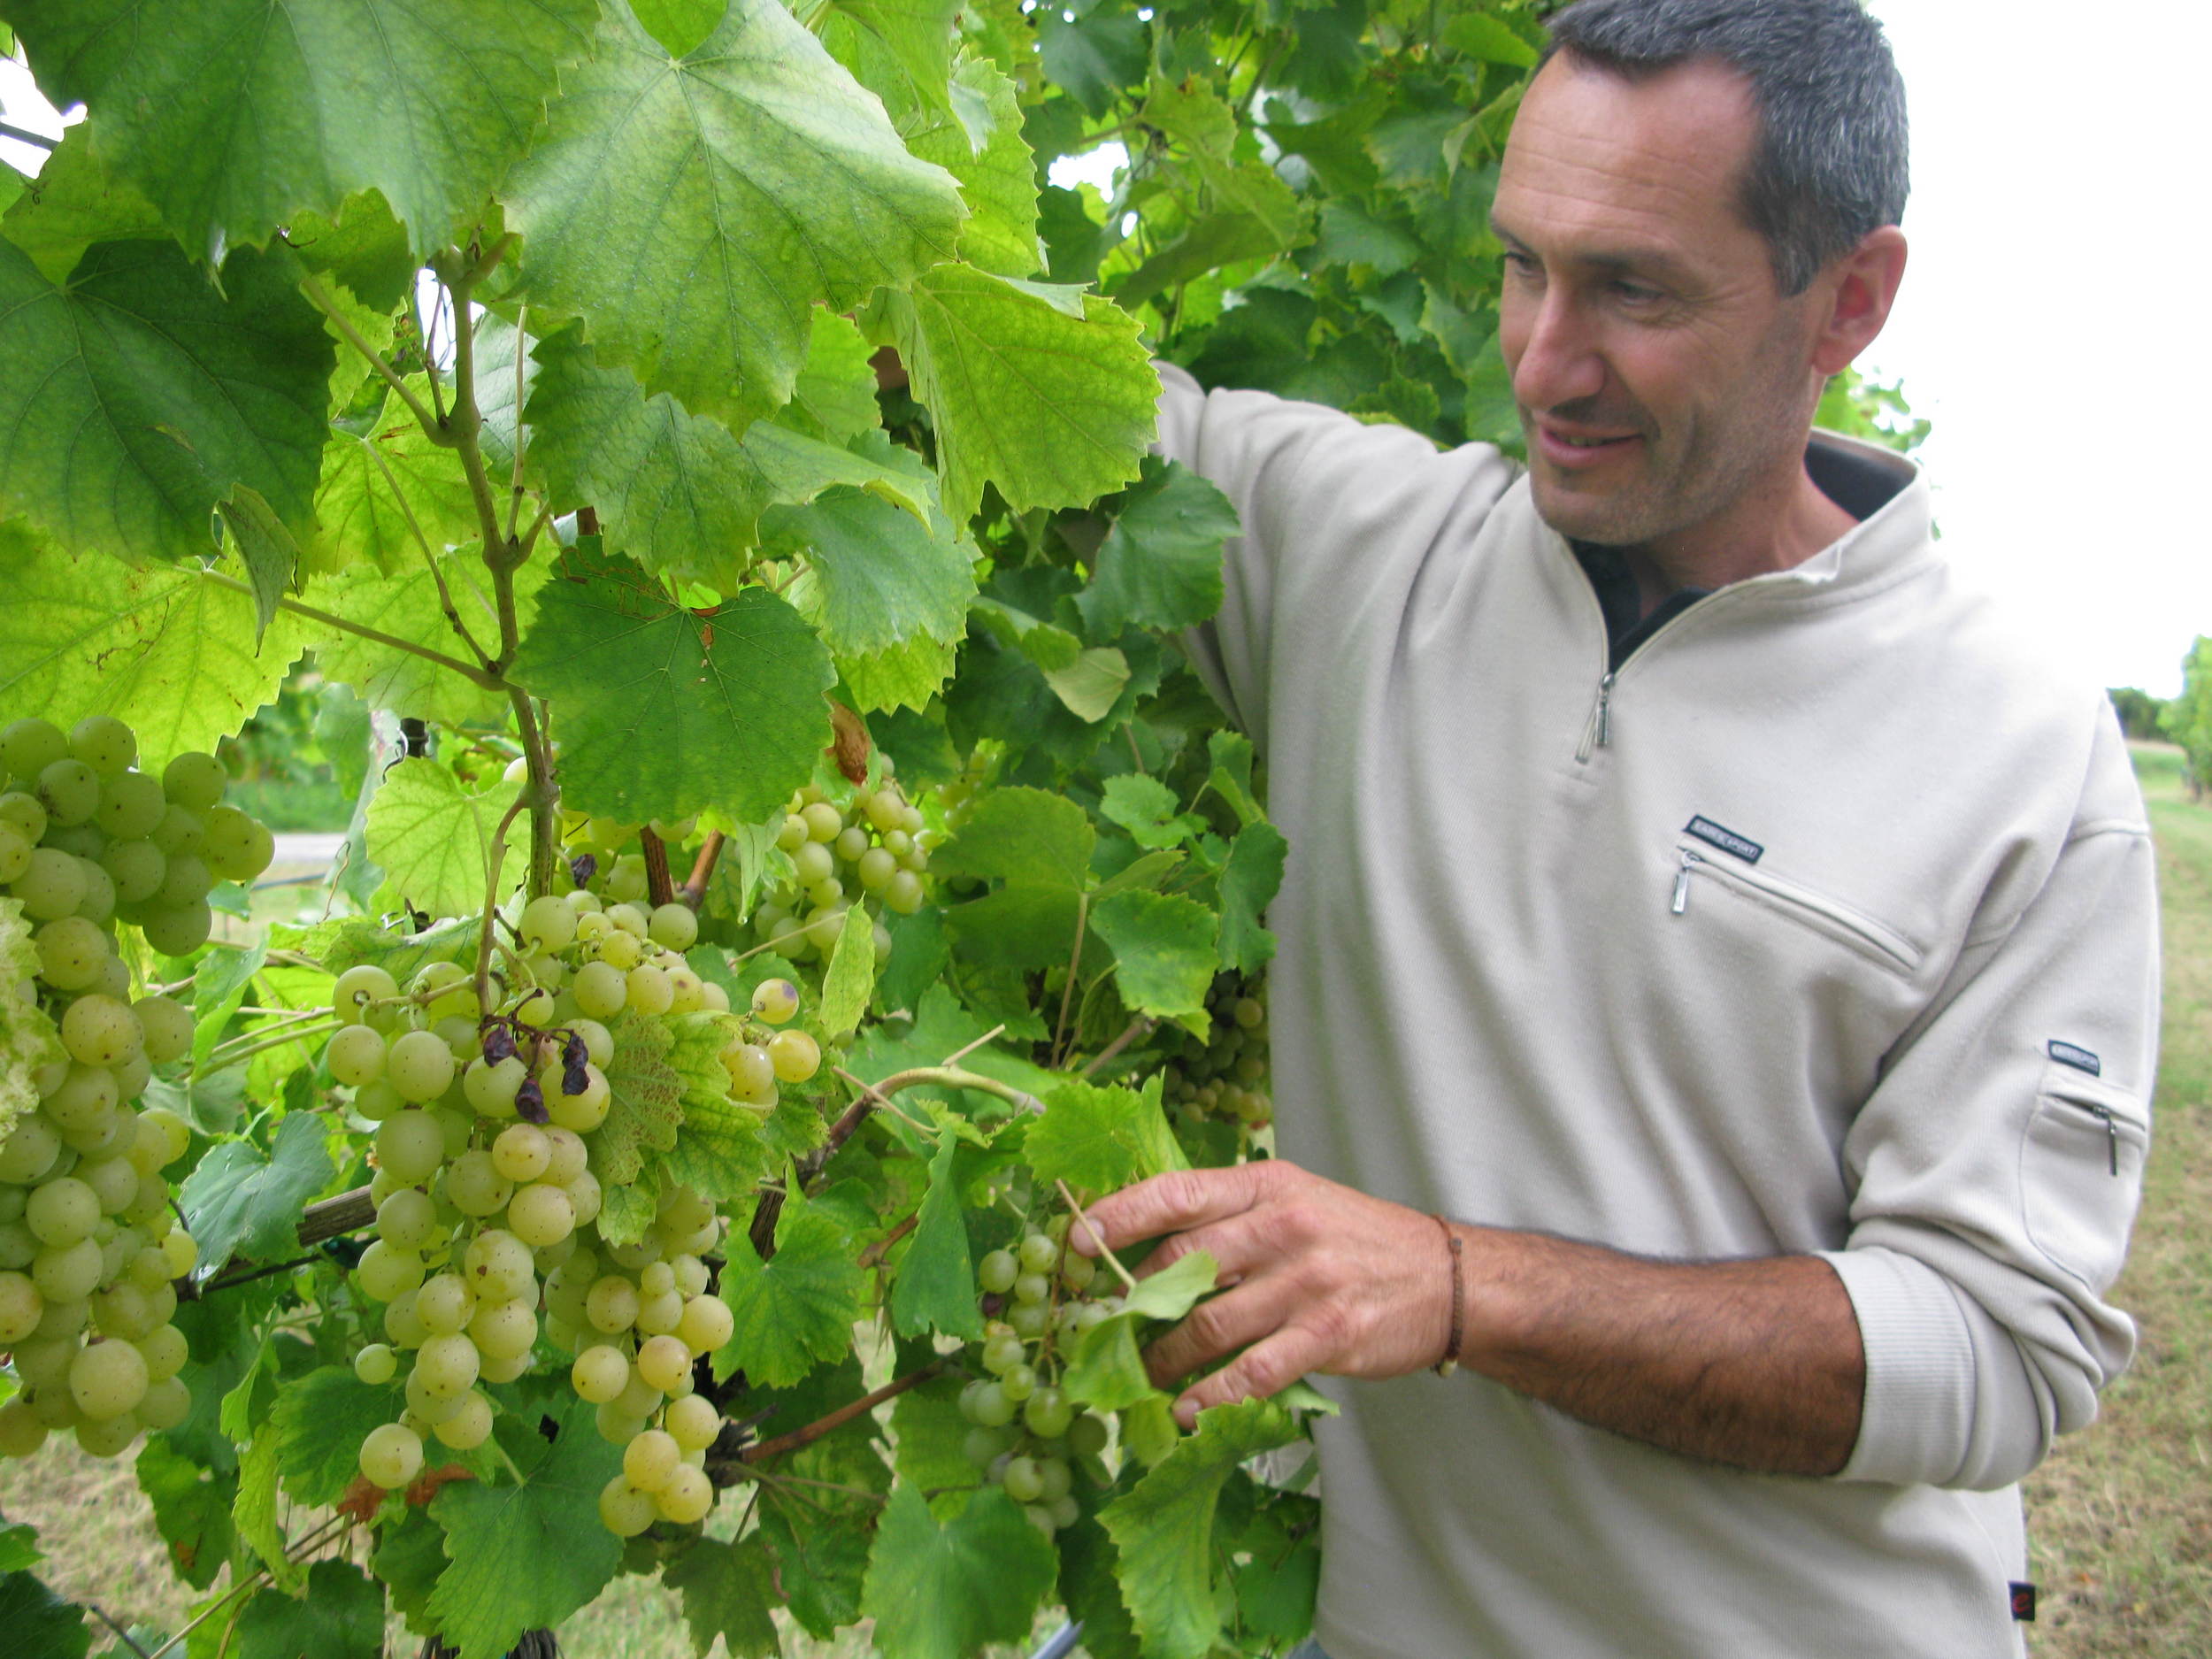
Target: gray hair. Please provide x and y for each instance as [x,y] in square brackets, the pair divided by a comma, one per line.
[1831,163]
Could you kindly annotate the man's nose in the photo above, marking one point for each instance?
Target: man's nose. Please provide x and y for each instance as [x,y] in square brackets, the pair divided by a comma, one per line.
[1559,360]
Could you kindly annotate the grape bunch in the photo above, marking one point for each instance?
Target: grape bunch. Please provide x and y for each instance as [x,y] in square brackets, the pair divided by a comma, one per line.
[872,850]
[1225,1076]
[487,1206]
[89,1244]
[1025,1435]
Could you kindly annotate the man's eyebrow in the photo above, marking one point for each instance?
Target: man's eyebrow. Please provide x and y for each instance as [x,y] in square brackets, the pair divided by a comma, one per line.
[1649,261]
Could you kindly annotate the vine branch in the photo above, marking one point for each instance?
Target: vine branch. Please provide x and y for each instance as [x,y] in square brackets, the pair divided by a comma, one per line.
[320,297]
[836,1419]
[475,676]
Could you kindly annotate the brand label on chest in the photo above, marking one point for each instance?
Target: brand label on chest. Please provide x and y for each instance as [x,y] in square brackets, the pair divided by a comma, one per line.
[2079,1058]
[1726,840]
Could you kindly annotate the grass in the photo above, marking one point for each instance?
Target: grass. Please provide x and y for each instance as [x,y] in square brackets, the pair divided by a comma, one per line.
[2120,1518]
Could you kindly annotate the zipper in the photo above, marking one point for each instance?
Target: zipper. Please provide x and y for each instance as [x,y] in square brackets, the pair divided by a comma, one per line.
[1825,913]
[1597,731]
[2103,1114]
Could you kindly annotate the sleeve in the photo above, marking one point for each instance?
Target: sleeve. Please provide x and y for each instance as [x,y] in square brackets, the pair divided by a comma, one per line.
[1307,483]
[1998,1167]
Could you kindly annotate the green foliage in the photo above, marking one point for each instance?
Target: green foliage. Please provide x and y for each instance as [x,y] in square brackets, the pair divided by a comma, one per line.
[2141,715]
[2187,718]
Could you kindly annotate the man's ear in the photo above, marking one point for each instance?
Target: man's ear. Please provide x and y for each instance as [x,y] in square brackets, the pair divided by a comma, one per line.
[1856,292]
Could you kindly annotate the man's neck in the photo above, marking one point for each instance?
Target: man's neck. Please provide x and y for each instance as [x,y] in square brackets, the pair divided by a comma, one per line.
[1732,550]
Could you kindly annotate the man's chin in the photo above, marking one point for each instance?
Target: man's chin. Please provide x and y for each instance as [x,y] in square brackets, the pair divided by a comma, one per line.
[1581,515]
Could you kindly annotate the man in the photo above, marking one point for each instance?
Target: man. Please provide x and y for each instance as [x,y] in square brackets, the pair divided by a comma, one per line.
[1717,986]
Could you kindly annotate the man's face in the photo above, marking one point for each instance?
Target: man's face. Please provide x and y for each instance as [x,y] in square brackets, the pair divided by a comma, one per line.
[1663,383]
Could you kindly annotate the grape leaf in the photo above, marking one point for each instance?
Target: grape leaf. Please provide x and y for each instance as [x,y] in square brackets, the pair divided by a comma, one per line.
[270,557]
[191,1508]
[1203,130]
[218,986]
[998,180]
[916,34]
[1044,391]
[694,212]
[1231,776]
[943,1027]
[719,1153]
[795,1308]
[673,490]
[28,1037]
[254,1510]
[409,1557]
[365,250]
[1099,1139]
[1092,52]
[347,941]
[1163,1527]
[1104,1368]
[240,1201]
[942,1591]
[1028,837]
[835,398]
[727,1591]
[1160,565]
[928,1432]
[39,1624]
[135,395]
[663,711]
[18,1546]
[885,575]
[1248,881]
[385,495]
[73,203]
[820,1567]
[1088,1590]
[319,1422]
[409,607]
[904,676]
[936,1284]
[1163,952]
[232,121]
[340,1616]
[1276,1589]
[645,1105]
[432,834]
[851,978]
[527,1556]
[1147,808]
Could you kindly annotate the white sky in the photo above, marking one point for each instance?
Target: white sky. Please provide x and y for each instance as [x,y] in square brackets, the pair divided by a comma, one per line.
[2057,164]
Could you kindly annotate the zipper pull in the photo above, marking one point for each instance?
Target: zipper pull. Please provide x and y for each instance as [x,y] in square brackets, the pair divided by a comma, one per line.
[2112,1134]
[1605,711]
[1682,886]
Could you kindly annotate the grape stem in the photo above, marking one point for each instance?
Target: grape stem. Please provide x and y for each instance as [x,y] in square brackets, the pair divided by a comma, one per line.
[1128,1280]
[657,886]
[1075,964]
[319,296]
[1139,1027]
[693,891]
[875,1253]
[252,1581]
[483,679]
[495,861]
[121,1634]
[844,1414]
[230,1053]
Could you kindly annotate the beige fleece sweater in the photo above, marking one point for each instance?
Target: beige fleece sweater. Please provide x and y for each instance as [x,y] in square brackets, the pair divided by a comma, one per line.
[1826,925]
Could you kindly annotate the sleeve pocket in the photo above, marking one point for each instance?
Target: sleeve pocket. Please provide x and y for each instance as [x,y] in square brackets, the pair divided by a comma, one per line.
[2081,1174]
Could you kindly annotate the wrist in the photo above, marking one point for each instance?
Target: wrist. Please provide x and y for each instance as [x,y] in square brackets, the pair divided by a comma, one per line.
[1456,1307]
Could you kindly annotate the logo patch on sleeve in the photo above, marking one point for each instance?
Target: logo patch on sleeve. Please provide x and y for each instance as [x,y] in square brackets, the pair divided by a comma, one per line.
[2023,1603]
[1726,840]
[2079,1058]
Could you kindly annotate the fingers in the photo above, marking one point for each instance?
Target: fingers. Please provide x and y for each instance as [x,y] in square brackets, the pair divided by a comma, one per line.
[1219,1326]
[1265,1368]
[1169,1203]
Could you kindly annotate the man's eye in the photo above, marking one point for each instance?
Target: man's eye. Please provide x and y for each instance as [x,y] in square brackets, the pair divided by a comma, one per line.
[1637,293]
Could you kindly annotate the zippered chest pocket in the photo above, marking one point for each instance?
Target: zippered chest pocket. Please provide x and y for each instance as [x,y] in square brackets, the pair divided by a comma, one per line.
[1832,919]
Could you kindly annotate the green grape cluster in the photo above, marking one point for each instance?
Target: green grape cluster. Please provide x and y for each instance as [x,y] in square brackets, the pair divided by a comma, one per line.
[1225,1076]
[89,1246]
[606,858]
[872,850]
[1025,1435]
[488,1209]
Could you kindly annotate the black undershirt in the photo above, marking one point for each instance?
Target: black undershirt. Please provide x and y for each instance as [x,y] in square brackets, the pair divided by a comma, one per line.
[1861,485]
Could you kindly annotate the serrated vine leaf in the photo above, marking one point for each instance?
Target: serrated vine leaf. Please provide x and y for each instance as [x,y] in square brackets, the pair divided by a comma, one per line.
[1098,1137]
[1160,565]
[267,548]
[46,1626]
[915,34]
[527,1556]
[904,676]
[167,649]
[1028,837]
[998,180]
[233,115]
[73,203]
[850,978]
[942,1591]
[341,1615]
[886,576]
[1043,392]
[1204,130]
[644,1106]
[1162,1528]
[936,1284]
[1248,881]
[241,1199]
[1148,809]
[1164,951]
[432,835]
[727,1590]
[135,395]
[694,211]
[387,497]
[661,711]
[794,1309]
[317,1424]
[411,607]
